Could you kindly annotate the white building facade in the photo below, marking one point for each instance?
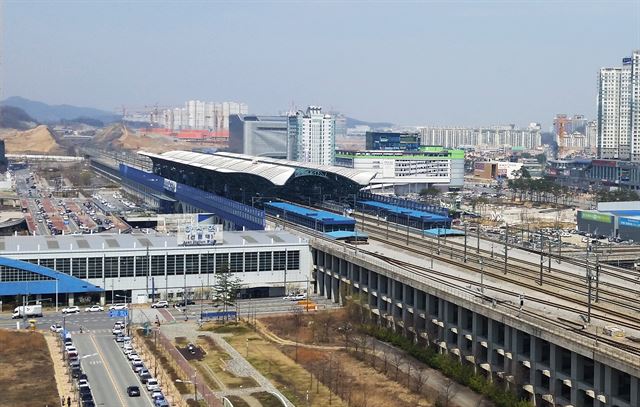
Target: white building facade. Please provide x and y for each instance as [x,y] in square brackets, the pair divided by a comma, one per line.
[199,115]
[499,136]
[311,137]
[619,111]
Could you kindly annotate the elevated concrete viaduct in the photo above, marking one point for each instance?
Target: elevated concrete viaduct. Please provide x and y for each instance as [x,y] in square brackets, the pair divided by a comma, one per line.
[537,357]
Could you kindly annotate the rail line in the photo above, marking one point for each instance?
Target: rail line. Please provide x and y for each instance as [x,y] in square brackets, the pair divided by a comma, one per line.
[494,267]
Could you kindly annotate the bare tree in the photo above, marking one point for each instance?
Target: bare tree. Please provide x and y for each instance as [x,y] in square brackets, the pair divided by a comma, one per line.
[448,392]
[421,380]
[398,359]
[296,316]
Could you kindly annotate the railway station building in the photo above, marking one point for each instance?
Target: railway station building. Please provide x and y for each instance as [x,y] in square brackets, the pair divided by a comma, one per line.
[144,267]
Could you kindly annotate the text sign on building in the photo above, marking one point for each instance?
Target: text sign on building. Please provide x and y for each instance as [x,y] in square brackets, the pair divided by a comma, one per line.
[597,217]
[304,172]
[635,223]
[170,185]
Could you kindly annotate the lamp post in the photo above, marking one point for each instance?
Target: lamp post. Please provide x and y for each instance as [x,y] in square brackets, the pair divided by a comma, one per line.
[194,382]
[126,320]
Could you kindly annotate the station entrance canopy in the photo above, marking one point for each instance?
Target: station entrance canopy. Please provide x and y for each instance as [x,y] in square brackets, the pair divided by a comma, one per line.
[249,179]
[21,277]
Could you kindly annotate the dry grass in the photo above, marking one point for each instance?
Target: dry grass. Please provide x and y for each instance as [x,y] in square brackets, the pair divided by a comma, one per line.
[214,364]
[291,379]
[27,377]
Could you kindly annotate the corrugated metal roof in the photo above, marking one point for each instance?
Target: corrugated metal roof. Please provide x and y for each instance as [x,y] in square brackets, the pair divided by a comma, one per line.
[108,241]
[275,170]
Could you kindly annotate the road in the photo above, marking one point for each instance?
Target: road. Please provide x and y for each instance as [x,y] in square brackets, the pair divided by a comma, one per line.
[109,371]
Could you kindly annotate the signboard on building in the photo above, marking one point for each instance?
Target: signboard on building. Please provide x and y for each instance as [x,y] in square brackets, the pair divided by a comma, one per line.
[597,217]
[170,185]
[635,223]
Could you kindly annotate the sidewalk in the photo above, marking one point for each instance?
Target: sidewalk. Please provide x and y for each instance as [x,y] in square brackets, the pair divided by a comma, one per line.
[237,365]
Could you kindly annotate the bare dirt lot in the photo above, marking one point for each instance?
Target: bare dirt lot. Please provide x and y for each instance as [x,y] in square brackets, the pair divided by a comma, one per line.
[26,353]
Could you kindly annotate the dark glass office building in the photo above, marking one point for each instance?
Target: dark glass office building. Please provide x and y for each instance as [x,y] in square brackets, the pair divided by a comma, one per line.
[387,140]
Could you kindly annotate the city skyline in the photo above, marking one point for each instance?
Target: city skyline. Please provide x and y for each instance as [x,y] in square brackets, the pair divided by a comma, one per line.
[410,63]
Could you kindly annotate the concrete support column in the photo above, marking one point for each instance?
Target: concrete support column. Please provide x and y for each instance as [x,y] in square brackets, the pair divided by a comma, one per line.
[71,297]
[635,391]
[103,298]
[576,369]
[461,339]
[609,384]
[598,380]
[406,315]
[475,344]
[535,356]
[553,366]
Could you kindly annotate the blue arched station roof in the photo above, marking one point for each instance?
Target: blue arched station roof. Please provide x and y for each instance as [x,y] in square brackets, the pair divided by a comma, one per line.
[66,283]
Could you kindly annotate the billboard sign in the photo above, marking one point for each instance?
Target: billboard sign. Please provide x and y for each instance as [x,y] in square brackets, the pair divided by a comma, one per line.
[634,223]
[170,185]
[597,217]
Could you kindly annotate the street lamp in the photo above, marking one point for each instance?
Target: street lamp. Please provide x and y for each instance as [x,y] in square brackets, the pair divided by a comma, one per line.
[126,325]
[194,382]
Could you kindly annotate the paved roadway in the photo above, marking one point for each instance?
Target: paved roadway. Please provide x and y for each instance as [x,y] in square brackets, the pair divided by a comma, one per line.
[109,371]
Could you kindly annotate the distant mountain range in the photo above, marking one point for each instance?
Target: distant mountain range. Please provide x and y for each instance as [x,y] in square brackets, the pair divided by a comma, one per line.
[351,123]
[46,113]
[15,118]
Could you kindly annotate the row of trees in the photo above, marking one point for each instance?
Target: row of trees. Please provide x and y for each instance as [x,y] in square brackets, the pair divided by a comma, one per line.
[538,190]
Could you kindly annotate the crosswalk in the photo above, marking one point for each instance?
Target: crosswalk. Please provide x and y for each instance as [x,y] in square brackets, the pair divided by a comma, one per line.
[91,331]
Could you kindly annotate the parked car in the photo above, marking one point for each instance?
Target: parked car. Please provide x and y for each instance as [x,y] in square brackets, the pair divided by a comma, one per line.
[71,310]
[160,304]
[94,308]
[118,307]
[152,385]
[133,391]
[191,348]
[56,328]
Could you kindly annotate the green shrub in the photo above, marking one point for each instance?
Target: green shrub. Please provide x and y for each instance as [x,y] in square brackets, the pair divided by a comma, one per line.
[449,365]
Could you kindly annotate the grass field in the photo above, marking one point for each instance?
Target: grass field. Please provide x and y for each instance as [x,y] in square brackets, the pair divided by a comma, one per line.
[288,377]
[26,370]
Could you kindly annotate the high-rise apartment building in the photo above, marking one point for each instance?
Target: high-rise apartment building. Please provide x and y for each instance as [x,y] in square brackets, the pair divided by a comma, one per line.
[499,136]
[619,110]
[264,136]
[311,136]
[198,115]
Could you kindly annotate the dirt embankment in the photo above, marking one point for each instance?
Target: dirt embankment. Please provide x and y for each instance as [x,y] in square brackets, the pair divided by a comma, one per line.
[39,140]
[26,370]
[122,138]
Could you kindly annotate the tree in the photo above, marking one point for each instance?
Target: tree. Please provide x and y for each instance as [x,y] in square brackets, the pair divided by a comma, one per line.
[226,289]
[430,193]
[449,391]
[421,380]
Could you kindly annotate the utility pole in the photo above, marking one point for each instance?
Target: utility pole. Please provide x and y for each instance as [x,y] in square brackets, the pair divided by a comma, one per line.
[465,242]
[597,277]
[408,229]
[506,246]
[481,276]
[541,265]
[549,244]
[589,278]
[560,248]
[478,237]
[438,240]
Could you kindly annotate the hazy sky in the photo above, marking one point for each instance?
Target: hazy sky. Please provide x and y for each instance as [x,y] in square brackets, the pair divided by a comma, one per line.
[469,62]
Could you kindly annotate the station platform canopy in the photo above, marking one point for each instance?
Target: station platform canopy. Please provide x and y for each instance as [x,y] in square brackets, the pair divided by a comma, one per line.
[347,235]
[443,232]
[400,211]
[21,278]
[277,171]
[325,217]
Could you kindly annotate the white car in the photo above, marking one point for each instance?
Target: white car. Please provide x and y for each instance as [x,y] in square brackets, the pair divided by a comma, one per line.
[152,385]
[160,304]
[71,310]
[56,328]
[118,307]
[94,308]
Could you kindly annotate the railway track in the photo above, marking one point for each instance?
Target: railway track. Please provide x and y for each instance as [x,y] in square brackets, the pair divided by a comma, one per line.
[529,272]
[444,279]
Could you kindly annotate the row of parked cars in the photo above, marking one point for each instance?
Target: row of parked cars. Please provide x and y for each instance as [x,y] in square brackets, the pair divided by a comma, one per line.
[149,383]
[93,308]
[85,396]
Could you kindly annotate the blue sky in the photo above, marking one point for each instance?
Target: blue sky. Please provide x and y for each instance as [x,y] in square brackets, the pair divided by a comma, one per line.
[409,62]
